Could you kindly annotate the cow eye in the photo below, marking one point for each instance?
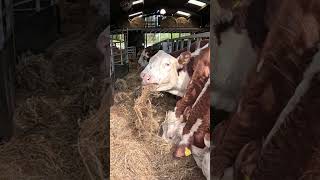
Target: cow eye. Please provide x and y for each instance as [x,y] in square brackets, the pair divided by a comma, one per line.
[167,64]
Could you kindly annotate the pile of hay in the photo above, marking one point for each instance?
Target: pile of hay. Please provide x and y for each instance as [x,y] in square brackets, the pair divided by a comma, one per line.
[34,73]
[136,150]
[183,22]
[56,92]
[168,22]
[137,22]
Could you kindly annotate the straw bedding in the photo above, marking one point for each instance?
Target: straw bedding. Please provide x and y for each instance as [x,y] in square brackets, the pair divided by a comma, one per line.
[136,150]
[55,93]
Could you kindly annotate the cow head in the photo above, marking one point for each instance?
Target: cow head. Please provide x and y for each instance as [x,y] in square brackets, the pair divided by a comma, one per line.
[172,128]
[161,70]
[143,59]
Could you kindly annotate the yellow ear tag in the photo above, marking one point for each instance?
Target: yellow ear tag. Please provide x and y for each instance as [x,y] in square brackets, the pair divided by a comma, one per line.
[246,177]
[187,152]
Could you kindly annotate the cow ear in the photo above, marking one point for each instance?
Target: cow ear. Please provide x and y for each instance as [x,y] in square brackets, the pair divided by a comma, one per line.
[184,58]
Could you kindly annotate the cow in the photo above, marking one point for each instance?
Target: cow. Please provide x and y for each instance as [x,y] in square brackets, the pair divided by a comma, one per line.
[170,74]
[172,132]
[148,52]
[287,50]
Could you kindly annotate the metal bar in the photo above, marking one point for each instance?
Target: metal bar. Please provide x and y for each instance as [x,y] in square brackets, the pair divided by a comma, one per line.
[126,44]
[182,44]
[38,6]
[21,2]
[168,30]
[189,44]
[198,42]
[24,9]
[177,46]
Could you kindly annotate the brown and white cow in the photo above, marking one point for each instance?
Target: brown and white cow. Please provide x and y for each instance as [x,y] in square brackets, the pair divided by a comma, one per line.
[285,55]
[168,73]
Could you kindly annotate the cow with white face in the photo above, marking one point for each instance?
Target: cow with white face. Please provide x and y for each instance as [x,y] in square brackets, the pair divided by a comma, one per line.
[163,71]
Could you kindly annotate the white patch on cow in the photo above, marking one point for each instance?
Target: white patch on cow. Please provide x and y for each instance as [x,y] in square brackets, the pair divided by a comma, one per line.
[302,88]
[202,92]
[194,128]
[163,70]
[198,154]
[207,143]
[142,59]
[182,84]
[205,166]
[234,59]
[197,52]
[172,128]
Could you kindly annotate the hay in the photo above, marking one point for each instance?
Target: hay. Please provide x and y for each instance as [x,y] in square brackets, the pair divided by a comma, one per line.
[136,150]
[56,92]
[34,73]
[183,22]
[168,22]
[137,22]
[29,156]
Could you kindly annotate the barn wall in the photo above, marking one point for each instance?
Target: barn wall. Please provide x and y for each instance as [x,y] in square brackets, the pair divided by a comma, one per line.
[7,89]
[35,31]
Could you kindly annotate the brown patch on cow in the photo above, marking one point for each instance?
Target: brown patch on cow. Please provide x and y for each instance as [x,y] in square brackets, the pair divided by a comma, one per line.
[198,139]
[184,58]
[267,98]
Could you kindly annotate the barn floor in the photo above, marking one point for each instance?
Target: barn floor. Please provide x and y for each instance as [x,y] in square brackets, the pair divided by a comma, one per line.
[136,150]
[55,93]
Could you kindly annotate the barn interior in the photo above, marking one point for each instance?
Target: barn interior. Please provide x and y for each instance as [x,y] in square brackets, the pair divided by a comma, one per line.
[57,87]
[136,147]
[54,90]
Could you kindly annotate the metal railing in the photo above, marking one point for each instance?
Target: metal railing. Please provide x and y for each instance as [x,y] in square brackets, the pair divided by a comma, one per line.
[37,5]
[171,45]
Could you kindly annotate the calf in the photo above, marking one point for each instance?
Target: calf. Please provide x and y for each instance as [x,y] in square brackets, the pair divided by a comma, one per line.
[170,74]
[194,107]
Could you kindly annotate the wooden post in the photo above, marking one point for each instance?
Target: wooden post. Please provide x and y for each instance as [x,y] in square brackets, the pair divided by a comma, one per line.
[1,28]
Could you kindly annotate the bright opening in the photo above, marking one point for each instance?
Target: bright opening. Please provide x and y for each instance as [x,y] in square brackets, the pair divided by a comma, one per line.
[197,3]
[137,2]
[135,14]
[162,11]
[183,13]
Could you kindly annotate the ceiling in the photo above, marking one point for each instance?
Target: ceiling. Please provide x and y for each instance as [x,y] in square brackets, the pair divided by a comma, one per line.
[152,6]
